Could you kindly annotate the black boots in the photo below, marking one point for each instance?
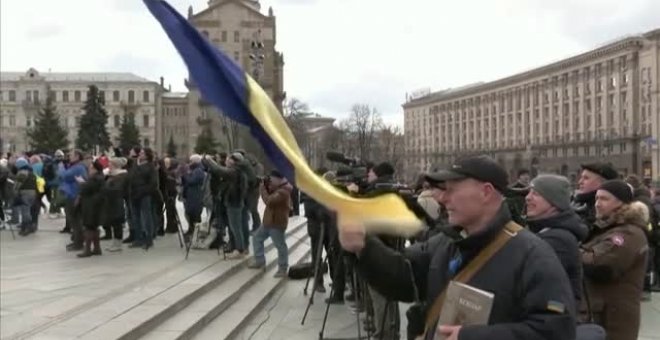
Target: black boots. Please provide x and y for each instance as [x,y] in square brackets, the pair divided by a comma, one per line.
[91,238]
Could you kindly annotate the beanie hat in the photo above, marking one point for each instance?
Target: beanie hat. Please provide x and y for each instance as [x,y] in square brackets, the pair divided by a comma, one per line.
[276,174]
[237,156]
[118,162]
[195,158]
[554,189]
[619,189]
[59,153]
[601,169]
[22,163]
[383,169]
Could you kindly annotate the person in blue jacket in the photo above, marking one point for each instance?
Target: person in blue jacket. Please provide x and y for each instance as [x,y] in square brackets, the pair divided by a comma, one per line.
[70,188]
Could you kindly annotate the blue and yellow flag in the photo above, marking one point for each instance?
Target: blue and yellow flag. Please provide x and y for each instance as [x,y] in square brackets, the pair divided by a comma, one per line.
[223,84]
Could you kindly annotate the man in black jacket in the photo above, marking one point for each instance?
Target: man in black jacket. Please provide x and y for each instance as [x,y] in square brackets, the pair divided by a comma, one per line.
[549,215]
[532,295]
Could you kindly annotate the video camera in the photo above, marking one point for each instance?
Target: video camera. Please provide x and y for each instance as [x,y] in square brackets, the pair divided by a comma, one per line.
[355,172]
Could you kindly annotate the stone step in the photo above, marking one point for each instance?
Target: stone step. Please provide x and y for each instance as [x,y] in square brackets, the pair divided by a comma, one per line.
[229,324]
[232,296]
[133,312]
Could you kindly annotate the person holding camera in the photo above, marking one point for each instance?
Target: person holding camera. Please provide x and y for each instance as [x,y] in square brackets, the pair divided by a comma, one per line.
[275,191]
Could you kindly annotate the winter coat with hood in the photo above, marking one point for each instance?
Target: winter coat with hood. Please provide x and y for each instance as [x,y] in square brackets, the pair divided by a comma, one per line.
[614,261]
[564,232]
[278,204]
[115,193]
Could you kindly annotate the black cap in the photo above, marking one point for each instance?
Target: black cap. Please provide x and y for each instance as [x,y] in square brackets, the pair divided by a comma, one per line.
[601,169]
[619,189]
[481,168]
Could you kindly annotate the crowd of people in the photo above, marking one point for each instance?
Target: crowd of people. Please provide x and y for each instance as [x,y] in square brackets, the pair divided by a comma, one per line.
[562,261]
[139,190]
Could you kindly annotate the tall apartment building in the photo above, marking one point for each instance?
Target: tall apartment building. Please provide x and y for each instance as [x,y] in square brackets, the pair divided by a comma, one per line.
[599,105]
[240,30]
[22,94]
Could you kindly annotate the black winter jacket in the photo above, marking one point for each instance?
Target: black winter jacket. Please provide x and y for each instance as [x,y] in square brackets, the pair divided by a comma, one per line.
[525,276]
[91,198]
[115,193]
[564,232]
[143,181]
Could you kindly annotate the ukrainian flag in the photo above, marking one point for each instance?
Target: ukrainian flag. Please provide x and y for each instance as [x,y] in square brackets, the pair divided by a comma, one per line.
[223,83]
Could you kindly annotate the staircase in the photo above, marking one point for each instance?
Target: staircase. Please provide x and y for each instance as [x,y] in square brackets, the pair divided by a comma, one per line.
[209,301]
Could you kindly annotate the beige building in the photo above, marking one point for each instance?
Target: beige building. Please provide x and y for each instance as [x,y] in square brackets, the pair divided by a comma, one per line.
[240,29]
[599,105]
[176,125]
[22,94]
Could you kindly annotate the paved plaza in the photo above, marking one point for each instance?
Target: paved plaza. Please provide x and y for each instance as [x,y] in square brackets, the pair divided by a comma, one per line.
[43,287]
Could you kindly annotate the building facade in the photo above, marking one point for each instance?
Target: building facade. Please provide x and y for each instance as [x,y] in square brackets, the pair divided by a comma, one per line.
[241,31]
[599,105]
[176,125]
[23,94]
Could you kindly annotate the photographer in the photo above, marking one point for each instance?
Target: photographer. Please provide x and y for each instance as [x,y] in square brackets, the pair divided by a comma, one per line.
[275,191]
[380,181]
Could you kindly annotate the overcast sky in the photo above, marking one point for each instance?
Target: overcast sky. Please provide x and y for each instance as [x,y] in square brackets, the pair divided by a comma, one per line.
[337,52]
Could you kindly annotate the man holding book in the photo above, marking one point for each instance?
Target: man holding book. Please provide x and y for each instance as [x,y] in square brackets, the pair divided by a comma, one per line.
[507,283]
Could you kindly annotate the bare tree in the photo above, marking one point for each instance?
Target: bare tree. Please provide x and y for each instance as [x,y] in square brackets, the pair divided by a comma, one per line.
[363,124]
[231,131]
[390,147]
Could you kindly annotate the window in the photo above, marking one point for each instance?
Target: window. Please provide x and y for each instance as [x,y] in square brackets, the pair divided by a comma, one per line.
[12,95]
[12,120]
[28,121]
[131,96]
[145,96]
[145,120]
[224,36]
[52,95]
[35,96]
[117,121]
[28,96]
[102,96]
[76,96]
[146,142]
[237,37]
[236,56]
[115,96]
[65,96]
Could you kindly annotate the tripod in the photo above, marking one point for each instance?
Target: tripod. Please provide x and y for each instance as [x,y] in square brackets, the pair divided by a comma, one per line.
[318,272]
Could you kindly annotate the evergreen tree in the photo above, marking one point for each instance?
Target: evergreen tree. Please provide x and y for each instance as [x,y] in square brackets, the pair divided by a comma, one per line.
[171,147]
[129,134]
[48,135]
[92,134]
[206,143]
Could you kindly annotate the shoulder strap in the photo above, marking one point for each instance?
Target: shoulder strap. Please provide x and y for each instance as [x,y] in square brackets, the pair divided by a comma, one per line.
[509,231]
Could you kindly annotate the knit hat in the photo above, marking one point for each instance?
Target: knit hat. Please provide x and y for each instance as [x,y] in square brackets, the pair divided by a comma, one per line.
[195,158]
[59,153]
[98,166]
[118,162]
[619,189]
[601,169]
[22,163]
[555,189]
[383,169]
[237,156]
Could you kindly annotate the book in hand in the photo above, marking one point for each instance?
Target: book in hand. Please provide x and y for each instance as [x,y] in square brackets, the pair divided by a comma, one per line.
[465,305]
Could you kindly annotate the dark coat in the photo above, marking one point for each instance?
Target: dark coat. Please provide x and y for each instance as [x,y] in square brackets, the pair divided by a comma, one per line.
[143,181]
[115,193]
[585,206]
[564,232]
[614,267]
[278,204]
[234,194]
[91,198]
[193,190]
[525,276]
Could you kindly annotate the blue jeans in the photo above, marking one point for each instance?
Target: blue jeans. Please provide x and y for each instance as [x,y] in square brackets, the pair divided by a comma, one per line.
[143,220]
[235,219]
[277,235]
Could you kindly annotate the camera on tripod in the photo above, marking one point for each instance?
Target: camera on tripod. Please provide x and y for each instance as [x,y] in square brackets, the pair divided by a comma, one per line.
[354,172]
